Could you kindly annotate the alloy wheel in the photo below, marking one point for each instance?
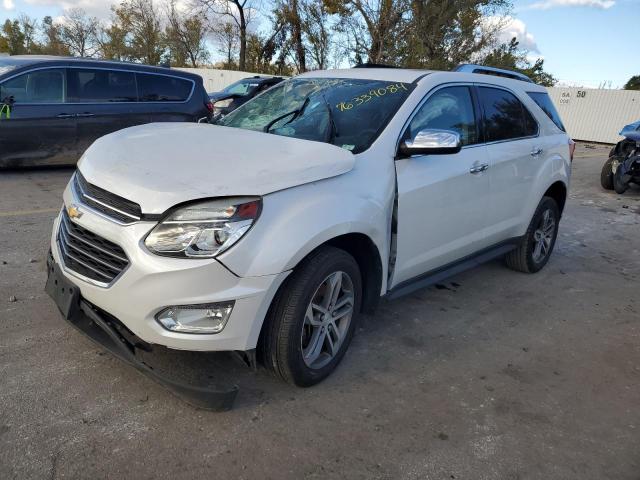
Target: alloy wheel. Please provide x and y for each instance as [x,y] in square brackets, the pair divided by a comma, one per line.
[543,236]
[327,320]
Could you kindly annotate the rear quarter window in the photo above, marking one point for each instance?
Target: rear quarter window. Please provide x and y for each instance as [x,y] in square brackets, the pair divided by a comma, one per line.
[543,100]
[161,88]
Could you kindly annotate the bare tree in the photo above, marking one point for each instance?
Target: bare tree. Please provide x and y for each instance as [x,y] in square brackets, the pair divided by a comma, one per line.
[316,27]
[225,34]
[186,36]
[240,11]
[29,28]
[79,33]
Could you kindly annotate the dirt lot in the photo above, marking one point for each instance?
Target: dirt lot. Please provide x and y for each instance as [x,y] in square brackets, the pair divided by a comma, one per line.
[493,375]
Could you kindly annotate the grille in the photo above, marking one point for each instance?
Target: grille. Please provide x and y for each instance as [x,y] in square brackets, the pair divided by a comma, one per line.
[113,206]
[88,254]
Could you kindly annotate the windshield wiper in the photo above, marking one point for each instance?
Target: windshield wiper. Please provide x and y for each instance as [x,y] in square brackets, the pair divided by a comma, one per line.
[333,132]
[296,113]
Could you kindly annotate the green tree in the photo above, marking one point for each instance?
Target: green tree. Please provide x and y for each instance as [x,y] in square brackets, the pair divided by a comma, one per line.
[52,34]
[375,28]
[144,39]
[633,83]
[510,56]
[113,41]
[445,33]
[13,38]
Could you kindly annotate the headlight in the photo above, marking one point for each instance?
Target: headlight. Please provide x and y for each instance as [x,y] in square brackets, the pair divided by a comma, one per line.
[204,230]
[223,103]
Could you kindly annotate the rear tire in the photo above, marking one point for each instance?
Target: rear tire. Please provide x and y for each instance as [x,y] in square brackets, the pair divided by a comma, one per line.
[606,175]
[535,248]
[307,331]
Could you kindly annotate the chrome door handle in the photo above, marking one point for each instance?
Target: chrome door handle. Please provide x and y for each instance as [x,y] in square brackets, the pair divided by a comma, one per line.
[65,115]
[535,152]
[82,115]
[479,168]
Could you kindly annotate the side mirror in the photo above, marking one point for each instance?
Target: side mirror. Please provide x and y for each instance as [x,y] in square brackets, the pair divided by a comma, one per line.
[432,142]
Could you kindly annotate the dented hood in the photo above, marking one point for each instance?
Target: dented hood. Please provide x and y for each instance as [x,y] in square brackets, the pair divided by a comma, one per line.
[163,164]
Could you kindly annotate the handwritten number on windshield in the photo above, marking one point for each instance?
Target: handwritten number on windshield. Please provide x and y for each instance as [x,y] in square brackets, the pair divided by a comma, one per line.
[373,94]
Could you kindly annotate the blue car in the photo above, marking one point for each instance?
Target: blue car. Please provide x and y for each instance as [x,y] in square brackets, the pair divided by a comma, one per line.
[623,165]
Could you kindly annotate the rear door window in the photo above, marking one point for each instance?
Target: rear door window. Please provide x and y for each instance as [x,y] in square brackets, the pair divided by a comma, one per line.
[505,117]
[100,86]
[544,102]
[40,86]
[161,88]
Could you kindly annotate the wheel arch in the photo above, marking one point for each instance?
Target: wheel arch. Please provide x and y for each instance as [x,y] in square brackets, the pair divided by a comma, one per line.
[558,191]
[366,254]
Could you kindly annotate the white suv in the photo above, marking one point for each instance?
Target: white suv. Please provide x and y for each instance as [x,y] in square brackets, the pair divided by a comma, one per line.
[270,232]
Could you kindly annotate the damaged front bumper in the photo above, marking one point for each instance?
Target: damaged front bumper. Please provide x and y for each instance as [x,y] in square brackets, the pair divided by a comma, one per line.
[117,339]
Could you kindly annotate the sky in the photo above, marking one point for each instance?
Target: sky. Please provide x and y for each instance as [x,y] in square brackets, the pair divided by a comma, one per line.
[585,43]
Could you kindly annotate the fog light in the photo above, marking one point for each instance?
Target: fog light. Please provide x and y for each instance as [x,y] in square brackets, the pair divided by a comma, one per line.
[209,318]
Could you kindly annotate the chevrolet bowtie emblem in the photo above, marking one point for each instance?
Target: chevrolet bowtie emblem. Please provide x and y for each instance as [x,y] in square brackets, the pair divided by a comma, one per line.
[74,211]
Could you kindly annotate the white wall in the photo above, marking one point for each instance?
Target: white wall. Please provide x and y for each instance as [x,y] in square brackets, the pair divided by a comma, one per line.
[588,114]
[215,80]
[596,115]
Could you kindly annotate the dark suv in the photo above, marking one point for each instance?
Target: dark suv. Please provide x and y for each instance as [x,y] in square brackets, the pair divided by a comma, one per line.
[53,108]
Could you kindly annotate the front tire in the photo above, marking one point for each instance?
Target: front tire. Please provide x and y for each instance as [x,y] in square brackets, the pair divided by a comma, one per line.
[535,248]
[313,317]
[619,184]
[606,175]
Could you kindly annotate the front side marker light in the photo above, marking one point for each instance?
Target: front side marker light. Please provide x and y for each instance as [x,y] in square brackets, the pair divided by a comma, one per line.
[203,319]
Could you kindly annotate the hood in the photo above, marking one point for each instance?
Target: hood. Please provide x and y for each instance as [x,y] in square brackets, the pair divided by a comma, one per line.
[217,96]
[163,164]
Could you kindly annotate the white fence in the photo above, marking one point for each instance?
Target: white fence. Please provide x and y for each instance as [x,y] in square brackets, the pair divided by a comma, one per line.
[596,115]
[216,80]
[589,114]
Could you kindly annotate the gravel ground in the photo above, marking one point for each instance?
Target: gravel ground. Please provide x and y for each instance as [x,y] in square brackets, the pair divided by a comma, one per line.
[493,375]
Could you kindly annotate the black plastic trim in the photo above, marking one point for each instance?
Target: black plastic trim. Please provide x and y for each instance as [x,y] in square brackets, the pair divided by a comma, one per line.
[435,276]
[114,337]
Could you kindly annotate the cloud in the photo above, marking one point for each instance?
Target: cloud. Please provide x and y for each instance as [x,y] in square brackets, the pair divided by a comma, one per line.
[97,8]
[547,4]
[510,27]
[8,4]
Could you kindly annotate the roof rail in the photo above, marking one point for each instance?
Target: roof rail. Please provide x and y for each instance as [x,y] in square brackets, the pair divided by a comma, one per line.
[374,65]
[498,72]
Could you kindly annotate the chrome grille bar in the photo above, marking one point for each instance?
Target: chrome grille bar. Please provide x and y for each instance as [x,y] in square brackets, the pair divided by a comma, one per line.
[85,253]
[93,258]
[93,245]
[82,263]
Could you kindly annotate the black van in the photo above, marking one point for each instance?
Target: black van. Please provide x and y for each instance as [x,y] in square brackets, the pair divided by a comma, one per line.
[53,108]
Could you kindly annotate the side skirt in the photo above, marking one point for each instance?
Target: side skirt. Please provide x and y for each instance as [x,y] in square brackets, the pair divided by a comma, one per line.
[435,276]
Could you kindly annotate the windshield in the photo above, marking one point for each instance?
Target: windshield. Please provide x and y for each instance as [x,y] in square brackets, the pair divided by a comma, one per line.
[6,67]
[349,113]
[242,87]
